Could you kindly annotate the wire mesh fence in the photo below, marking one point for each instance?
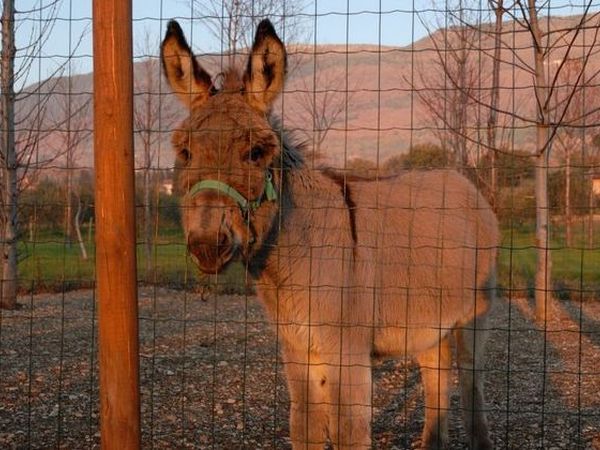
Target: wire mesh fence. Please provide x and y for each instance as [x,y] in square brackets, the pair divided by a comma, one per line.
[348,259]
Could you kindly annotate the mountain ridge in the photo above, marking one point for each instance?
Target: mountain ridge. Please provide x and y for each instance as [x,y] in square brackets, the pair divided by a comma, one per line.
[379,88]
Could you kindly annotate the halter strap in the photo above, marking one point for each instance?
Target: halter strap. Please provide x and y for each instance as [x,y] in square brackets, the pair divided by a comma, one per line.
[269,192]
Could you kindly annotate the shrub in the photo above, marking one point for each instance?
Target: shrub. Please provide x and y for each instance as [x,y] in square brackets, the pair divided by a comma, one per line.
[426,156]
[516,205]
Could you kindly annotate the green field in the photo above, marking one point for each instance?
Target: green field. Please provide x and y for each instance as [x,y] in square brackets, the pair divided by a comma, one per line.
[575,269]
[50,264]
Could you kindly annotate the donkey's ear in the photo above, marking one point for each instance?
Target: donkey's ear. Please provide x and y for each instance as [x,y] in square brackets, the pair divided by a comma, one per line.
[187,79]
[266,69]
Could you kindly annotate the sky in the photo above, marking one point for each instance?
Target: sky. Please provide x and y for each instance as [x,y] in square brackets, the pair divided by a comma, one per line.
[333,26]
[385,22]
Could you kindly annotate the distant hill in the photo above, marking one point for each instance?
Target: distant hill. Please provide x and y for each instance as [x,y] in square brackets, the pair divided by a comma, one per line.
[383,114]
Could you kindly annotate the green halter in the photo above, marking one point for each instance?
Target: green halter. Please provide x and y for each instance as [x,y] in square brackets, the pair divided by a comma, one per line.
[269,192]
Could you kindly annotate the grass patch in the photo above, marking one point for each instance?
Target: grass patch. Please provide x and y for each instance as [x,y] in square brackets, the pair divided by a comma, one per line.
[50,264]
[574,269]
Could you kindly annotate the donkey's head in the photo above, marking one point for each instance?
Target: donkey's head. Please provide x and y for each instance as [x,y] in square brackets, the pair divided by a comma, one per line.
[226,148]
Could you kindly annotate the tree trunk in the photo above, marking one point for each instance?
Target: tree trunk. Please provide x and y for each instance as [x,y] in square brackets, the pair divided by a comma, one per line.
[9,269]
[68,196]
[90,231]
[495,95]
[147,224]
[147,187]
[568,213]
[543,282]
[84,255]
[590,236]
[463,99]
[8,289]
[543,292]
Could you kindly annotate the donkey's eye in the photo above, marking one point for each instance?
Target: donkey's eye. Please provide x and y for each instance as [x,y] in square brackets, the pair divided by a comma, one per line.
[185,154]
[256,153]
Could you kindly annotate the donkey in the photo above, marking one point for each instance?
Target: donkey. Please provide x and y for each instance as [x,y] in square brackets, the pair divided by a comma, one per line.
[347,269]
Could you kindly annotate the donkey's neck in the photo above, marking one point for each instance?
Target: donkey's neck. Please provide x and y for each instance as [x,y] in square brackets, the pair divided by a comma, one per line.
[316,212]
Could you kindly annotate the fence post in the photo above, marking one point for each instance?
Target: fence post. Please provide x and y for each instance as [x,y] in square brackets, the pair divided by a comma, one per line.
[115,225]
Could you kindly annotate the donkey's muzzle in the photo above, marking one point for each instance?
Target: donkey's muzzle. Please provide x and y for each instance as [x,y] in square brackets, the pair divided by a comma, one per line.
[211,253]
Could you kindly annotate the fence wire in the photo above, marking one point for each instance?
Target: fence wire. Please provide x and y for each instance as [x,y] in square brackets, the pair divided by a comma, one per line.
[504,95]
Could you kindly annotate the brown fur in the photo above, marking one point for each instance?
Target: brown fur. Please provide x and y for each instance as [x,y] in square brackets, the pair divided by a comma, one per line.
[345,268]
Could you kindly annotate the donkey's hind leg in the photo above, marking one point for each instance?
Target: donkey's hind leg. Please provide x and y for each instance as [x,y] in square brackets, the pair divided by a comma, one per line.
[436,364]
[470,341]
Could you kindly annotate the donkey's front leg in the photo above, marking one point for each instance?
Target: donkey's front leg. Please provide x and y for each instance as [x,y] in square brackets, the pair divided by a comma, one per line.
[351,389]
[436,364]
[308,400]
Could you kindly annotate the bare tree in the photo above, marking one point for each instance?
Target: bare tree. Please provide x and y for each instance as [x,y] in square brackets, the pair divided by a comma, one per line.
[450,86]
[71,130]
[462,87]
[233,22]
[542,95]
[82,204]
[551,44]
[569,137]
[573,133]
[8,289]
[498,7]
[150,117]
[22,113]
[551,113]
[321,104]
[591,165]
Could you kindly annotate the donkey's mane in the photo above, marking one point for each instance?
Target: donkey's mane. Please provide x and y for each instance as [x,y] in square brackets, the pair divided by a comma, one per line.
[293,150]
[294,153]
[291,159]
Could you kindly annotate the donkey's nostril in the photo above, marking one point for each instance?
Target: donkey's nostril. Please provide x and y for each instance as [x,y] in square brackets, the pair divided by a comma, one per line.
[210,252]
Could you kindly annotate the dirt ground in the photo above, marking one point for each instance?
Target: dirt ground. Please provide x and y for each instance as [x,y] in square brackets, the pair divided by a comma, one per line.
[211,377]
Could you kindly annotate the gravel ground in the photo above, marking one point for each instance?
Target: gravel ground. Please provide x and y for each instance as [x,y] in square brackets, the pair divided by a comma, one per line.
[211,377]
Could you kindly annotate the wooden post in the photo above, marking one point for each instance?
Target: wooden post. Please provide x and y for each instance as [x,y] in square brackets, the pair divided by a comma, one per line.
[115,225]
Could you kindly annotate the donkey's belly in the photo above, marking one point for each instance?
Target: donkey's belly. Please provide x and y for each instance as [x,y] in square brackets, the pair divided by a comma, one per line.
[407,324]
[400,341]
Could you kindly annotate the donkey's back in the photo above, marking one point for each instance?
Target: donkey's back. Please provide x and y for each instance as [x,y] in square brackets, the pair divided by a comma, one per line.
[426,246]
